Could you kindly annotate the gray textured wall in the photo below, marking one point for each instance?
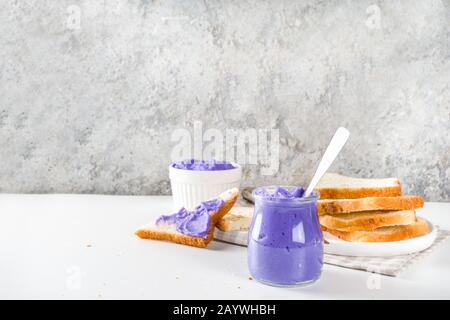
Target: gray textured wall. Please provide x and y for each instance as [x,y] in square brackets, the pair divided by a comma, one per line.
[91,109]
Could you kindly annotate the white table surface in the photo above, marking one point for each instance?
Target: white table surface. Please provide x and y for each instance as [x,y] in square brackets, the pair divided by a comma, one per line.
[83,246]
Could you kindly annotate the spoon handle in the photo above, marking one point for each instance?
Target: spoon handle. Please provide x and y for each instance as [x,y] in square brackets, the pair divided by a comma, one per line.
[337,142]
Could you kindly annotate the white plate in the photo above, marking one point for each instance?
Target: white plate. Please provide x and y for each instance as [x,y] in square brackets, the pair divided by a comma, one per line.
[379,249]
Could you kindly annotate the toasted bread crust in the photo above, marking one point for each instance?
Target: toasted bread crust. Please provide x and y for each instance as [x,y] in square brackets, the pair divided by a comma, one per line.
[366,221]
[355,193]
[369,204]
[229,203]
[384,234]
[173,237]
[230,198]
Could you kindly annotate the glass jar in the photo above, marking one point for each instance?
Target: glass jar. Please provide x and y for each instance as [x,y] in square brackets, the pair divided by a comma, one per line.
[285,242]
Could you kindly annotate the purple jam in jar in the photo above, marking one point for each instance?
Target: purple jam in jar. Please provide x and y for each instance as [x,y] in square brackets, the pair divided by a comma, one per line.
[285,242]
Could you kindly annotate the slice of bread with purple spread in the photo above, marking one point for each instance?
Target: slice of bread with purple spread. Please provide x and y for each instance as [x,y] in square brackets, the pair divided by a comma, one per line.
[169,229]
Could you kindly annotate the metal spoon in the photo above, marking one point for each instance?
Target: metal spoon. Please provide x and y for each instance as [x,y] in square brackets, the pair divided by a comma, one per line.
[337,142]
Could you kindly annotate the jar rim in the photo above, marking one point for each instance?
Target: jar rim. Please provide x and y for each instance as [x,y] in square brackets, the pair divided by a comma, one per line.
[314,196]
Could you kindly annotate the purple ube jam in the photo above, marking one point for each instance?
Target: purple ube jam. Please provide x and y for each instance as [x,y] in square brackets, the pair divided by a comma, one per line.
[203,165]
[285,244]
[193,223]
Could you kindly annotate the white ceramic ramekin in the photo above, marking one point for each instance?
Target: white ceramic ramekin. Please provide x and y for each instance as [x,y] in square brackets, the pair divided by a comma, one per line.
[190,187]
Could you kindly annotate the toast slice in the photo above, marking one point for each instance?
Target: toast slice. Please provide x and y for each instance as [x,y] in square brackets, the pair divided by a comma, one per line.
[339,206]
[168,232]
[369,220]
[237,219]
[336,186]
[384,234]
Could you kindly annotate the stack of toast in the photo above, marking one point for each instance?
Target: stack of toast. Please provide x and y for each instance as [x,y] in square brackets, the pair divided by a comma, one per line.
[353,209]
[368,210]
